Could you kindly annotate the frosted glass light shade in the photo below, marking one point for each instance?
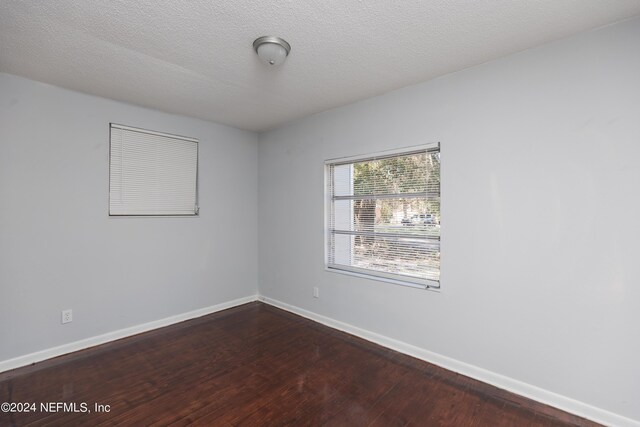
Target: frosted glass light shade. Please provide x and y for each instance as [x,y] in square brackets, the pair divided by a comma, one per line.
[271,53]
[271,50]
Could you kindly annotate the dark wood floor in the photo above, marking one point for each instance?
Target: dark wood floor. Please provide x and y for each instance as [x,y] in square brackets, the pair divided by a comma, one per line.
[256,365]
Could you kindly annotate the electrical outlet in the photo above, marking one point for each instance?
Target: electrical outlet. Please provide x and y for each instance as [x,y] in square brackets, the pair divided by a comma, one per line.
[67,316]
[316,292]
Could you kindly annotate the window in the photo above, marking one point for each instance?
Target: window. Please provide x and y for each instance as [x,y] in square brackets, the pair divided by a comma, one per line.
[383,216]
[152,173]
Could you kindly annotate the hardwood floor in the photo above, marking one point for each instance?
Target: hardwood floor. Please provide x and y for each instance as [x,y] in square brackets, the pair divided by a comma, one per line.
[256,365]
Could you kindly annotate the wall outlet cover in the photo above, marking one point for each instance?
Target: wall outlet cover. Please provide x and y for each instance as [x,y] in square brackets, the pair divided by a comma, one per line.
[67,316]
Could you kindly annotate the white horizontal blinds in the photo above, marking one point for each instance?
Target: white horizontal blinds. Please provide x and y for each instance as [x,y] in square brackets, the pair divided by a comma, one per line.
[152,173]
[384,216]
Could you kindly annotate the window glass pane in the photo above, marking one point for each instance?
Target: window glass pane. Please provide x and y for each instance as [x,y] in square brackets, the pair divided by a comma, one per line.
[384,217]
[407,256]
[343,215]
[402,174]
[343,181]
[343,253]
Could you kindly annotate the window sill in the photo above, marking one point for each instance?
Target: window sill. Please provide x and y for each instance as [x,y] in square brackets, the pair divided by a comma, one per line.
[434,287]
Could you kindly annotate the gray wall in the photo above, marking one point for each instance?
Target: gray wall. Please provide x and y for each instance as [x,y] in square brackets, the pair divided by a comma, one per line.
[540,216]
[58,247]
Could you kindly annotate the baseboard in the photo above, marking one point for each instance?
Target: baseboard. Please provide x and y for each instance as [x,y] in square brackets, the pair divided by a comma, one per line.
[39,356]
[518,387]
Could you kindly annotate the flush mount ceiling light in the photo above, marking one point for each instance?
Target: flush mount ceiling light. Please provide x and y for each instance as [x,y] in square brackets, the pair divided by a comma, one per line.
[271,50]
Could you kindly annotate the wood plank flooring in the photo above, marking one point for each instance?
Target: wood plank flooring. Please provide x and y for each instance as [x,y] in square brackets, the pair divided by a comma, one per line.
[256,365]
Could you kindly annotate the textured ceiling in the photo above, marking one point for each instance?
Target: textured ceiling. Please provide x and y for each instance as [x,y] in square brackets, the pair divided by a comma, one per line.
[194,57]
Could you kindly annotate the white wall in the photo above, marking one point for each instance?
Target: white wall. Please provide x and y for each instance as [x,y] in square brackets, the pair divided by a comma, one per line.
[540,216]
[58,247]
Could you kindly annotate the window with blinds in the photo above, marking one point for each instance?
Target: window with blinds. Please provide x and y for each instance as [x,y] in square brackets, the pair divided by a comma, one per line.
[152,173]
[383,216]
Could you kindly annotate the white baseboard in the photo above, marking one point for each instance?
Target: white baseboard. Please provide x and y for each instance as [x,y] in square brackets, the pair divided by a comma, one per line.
[39,356]
[518,387]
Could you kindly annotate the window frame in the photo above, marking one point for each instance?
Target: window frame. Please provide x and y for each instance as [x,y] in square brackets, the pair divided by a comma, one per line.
[196,213]
[426,284]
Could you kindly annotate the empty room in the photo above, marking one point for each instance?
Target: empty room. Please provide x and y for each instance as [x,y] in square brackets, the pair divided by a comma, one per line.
[320,213]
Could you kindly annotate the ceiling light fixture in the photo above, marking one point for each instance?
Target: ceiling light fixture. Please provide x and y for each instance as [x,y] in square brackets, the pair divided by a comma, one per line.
[271,50]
